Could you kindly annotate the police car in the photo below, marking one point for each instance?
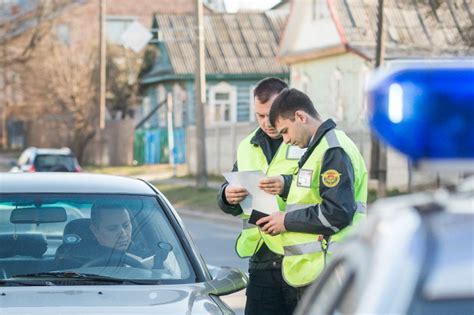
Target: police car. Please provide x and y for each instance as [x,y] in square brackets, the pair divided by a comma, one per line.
[415,253]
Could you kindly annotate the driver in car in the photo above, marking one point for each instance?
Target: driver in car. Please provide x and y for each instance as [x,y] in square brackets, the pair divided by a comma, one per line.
[111,228]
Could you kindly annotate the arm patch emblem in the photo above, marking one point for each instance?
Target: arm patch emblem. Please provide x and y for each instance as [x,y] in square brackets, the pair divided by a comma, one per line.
[330,178]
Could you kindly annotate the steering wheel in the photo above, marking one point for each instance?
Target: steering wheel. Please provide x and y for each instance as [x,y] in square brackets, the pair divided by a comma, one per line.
[115,260]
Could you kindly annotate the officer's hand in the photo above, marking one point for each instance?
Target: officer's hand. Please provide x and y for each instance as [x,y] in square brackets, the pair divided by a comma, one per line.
[234,195]
[273,224]
[272,185]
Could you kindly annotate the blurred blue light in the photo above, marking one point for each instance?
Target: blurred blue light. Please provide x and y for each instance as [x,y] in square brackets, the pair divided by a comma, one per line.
[426,112]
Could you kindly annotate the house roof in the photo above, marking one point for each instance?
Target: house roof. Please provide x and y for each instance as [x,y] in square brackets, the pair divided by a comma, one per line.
[235,44]
[413,28]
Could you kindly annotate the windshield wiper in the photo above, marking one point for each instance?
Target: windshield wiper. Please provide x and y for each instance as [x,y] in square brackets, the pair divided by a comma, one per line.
[74,275]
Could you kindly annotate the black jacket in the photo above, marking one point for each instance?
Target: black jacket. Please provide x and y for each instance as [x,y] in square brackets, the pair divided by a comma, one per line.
[338,203]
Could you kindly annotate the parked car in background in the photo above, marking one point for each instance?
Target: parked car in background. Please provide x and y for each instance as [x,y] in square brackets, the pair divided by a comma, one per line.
[46,160]
[415,253]
[133,256]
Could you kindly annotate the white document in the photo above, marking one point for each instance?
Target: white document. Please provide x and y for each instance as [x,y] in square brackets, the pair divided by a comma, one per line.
[256,199]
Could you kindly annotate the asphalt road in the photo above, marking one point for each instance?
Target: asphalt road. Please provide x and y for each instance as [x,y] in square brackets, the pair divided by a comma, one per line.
[215,241]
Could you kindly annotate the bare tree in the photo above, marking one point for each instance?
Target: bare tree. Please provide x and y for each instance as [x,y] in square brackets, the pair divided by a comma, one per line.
[66,86]
[22,29]
[123,69]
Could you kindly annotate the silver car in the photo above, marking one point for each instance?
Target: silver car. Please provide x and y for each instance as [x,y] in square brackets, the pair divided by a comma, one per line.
[98,244]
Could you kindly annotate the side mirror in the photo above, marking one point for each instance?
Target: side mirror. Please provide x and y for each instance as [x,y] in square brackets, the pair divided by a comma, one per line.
[226,280]
[12,163]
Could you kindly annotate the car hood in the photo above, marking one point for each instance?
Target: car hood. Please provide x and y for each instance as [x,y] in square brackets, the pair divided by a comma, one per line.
[125,299]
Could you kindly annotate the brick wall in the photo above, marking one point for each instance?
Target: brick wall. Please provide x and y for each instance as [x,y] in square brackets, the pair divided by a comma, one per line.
[144,9]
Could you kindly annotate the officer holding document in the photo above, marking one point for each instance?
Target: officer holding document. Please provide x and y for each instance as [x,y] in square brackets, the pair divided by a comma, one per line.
[328,193]
[263,150]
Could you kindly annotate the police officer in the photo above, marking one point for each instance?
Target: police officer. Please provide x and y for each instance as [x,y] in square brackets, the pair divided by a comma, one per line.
[328,192]
[263,149]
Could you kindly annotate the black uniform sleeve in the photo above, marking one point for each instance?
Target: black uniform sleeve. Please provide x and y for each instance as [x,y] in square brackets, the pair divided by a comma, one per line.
[286,187]
[222,201]
[338,205]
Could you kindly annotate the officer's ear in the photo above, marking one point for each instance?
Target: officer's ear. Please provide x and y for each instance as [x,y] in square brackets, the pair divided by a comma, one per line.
[301,116]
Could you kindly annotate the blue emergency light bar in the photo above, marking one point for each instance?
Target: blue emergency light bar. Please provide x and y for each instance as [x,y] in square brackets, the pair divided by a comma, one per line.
[426,113]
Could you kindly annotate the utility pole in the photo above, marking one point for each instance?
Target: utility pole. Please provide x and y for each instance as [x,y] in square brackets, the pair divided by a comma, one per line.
[5,104]
[102,63]
[5,93]
[102,80]
[170,125]
[378,161]
[200,91]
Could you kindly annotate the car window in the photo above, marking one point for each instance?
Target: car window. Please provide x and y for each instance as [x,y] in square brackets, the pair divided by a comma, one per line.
[54,162]
[127,237]
[422,306]
[447,286]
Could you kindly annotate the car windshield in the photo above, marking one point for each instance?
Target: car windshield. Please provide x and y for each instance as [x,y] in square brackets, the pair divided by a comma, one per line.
[124,237]
[54,162]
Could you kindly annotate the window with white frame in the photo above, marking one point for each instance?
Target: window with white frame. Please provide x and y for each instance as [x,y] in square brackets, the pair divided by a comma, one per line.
[222,104]
[116,26]
[320,10]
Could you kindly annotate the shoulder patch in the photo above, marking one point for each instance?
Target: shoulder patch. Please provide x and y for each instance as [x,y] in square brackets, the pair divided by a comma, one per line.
[330,178]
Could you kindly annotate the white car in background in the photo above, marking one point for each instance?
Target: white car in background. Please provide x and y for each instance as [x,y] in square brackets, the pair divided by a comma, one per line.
[46,160]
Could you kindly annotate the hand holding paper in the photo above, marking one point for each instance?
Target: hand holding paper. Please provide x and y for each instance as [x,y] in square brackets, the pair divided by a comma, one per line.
[272,185]
[256,198]
[235,195]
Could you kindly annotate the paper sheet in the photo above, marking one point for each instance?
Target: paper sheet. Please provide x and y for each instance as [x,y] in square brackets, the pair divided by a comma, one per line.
[257,199]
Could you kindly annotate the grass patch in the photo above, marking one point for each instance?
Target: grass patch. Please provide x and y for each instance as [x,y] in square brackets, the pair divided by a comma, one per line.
[210,177]
[188,197]
[128,170]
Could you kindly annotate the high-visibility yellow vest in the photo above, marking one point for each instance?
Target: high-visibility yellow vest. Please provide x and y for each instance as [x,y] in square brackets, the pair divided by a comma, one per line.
[304,253]
[250,157]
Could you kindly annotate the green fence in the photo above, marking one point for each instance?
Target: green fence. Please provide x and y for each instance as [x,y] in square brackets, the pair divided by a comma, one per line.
[151,146]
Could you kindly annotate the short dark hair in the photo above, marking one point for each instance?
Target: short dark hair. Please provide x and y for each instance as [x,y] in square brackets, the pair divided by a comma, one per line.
[288,102]
[268,87]
[99,208]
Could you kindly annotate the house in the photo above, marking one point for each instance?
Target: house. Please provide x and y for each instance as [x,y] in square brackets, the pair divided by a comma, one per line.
[240,50]
[330,49]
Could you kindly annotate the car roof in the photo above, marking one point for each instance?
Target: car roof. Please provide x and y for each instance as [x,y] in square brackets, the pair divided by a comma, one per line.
[43,182]
[52,151]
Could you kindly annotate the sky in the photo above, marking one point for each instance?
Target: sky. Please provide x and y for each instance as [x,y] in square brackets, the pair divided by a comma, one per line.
[234,5]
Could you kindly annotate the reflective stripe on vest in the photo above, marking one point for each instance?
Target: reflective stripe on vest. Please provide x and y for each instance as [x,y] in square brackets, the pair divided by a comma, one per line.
[300,249]
[332,139]
[361,207]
